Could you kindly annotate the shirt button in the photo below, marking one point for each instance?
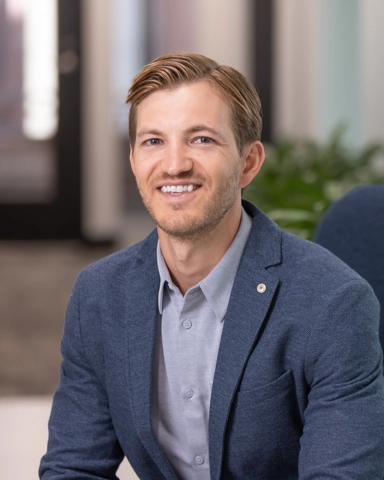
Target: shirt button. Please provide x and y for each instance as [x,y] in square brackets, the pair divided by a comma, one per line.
[199,459]
[189,392]
[187,324]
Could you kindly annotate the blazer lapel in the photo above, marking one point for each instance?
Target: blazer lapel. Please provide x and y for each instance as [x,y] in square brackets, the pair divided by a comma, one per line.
[247,310]
[142,309]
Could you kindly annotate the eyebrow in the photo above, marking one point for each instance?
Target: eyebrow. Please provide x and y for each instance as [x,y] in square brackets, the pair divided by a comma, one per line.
[194,129]
[199,128]
[157,133]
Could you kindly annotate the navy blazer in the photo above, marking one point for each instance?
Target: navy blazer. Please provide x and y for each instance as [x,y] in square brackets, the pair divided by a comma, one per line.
[298,387]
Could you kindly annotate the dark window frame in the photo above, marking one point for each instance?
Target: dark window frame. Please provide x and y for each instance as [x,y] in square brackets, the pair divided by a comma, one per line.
[61,218]
[263,74]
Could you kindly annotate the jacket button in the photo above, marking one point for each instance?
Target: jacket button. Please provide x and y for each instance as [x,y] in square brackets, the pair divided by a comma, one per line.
[199,459]
[261,288]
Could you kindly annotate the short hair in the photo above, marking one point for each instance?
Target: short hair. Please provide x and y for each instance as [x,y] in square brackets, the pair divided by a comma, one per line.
[178,68]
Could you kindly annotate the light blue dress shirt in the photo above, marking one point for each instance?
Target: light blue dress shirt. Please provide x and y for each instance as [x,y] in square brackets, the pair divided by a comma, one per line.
[189,334]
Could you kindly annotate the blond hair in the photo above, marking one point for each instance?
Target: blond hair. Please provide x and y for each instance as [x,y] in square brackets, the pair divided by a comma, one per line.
[174,69]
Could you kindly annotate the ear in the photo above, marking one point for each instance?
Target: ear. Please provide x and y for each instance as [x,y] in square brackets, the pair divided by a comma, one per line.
[252,160]
[131,159]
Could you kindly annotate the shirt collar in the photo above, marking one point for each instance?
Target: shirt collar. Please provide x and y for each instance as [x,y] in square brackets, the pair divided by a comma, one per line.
[216,286]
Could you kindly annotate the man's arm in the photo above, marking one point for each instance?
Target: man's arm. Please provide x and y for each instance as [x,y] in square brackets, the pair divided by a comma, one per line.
[82,442]
[344,420]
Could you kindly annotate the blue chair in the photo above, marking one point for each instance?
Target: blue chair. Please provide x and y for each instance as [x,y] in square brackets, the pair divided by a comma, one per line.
[353,229]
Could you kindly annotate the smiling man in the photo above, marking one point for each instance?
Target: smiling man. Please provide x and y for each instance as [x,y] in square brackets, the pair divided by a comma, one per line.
[220,347]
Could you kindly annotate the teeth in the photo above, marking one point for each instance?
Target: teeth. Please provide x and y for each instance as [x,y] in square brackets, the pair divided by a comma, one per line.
[178,188]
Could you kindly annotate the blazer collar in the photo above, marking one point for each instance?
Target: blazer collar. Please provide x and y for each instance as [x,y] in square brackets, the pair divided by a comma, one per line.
[264,243]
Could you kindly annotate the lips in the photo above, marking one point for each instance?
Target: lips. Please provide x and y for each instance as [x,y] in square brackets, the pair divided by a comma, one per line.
[178,188]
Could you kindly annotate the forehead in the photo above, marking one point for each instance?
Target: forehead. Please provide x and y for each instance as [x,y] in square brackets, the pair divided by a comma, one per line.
[197,101]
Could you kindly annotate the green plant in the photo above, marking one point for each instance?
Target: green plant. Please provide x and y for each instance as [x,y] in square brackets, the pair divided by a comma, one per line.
[301,179]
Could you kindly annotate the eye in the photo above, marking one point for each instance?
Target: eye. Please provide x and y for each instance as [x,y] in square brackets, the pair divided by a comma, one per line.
[152,141]
[203,140]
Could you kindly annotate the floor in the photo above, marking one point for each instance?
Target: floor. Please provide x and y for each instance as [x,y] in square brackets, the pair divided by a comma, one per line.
[35,282]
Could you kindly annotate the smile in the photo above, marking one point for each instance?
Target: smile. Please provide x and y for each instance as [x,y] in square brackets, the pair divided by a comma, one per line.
[178,188]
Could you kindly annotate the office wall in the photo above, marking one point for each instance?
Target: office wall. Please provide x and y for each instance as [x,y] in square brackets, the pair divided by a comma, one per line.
[329,68]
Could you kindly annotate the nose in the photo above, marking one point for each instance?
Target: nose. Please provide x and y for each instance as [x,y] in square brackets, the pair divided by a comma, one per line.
[176,159]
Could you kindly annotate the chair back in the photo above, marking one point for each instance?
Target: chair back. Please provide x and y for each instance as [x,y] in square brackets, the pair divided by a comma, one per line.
[353,229]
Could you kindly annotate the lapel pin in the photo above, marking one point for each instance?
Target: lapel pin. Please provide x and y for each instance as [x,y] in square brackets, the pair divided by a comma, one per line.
[261,288]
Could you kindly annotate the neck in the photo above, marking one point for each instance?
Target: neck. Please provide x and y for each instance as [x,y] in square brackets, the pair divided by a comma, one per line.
[190,261]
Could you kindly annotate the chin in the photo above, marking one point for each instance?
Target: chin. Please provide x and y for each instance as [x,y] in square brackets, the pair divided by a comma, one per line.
[187,227]
[178,229]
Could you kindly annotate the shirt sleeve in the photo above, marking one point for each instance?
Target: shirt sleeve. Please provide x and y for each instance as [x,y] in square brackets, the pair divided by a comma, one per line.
[82,442]
[343,435]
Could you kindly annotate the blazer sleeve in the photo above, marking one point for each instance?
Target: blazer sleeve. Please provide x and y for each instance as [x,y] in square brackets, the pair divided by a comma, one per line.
[82,442]
[343,435]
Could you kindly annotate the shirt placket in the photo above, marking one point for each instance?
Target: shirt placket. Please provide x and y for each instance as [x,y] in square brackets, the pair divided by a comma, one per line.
[190,393]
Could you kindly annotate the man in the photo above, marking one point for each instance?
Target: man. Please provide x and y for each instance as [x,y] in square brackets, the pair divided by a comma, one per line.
[220,346]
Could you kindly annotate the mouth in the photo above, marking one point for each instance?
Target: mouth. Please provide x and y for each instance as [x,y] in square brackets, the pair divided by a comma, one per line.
[177,189]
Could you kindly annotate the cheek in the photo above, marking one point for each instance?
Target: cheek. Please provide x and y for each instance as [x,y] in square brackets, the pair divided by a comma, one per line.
[230,169]
[145,172]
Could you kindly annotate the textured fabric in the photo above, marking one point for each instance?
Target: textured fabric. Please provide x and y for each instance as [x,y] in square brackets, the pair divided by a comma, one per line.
[187,345]
[298,386]
[353,229]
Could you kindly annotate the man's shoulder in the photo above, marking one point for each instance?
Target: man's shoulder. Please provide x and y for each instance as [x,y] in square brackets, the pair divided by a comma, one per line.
[121,262]
[314,282]
[290,256]
[301,253]
[311,270]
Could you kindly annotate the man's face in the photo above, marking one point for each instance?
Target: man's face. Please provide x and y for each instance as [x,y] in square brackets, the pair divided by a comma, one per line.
[186,162]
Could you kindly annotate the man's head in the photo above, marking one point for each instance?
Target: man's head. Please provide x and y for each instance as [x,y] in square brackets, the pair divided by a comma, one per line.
[194,143]
[175,69]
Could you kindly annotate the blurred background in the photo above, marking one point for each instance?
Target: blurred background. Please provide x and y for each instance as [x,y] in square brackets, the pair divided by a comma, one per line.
[67,195]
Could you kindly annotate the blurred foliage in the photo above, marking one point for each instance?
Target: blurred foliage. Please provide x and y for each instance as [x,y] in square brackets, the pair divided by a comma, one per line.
[301,179]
